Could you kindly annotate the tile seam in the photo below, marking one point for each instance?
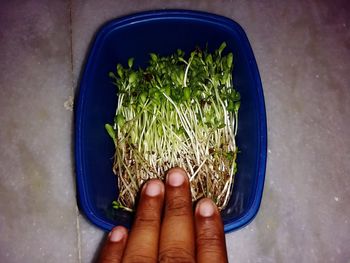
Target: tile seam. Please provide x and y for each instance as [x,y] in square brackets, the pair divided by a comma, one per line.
[70,4]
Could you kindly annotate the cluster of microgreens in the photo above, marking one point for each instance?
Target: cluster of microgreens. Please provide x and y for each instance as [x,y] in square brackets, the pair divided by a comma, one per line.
[177,112]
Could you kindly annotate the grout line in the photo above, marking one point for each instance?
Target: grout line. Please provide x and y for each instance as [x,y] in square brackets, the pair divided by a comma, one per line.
[71,41]
[70,4]
[78,234]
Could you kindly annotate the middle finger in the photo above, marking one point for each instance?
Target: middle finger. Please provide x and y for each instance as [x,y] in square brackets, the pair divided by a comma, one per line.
[177,231]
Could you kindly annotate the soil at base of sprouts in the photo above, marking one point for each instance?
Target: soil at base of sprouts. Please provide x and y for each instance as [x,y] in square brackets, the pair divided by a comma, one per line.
[177,112]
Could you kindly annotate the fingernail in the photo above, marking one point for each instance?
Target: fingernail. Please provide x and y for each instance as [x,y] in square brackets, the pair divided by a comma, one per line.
[116,234]
[176,178]
[206,208]
[153,188]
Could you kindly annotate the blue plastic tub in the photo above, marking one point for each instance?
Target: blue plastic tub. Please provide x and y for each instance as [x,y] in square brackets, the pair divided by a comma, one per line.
[163,32]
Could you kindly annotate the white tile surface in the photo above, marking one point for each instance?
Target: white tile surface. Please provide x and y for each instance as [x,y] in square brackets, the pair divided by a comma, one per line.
[303,55]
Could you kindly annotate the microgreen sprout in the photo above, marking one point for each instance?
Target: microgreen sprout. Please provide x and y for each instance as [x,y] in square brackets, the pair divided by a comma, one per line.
[179,111]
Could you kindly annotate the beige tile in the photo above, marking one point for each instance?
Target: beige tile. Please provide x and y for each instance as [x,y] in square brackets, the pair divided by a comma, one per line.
[37,194]
[91,240]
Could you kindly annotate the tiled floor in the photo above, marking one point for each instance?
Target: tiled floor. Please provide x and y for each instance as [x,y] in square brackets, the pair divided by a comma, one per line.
[303,53]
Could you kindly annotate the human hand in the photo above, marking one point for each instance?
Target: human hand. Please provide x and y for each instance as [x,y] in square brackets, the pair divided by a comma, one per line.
[166,229]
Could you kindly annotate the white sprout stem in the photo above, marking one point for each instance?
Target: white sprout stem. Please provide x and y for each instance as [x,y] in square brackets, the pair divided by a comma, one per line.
[186,71]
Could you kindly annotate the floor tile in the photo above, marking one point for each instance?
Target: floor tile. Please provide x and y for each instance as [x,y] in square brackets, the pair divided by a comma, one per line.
[37,193]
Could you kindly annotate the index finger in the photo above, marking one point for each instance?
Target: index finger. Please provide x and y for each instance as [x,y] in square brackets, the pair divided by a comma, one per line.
[142,243]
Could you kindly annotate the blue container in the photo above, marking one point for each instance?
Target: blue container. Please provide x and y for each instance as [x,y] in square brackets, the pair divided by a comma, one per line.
[163,32]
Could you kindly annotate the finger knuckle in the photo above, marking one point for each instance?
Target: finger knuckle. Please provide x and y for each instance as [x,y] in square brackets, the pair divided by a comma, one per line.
[108,259]
[178,205]
[171,254]
[147,217]
[209,237]
[135,258]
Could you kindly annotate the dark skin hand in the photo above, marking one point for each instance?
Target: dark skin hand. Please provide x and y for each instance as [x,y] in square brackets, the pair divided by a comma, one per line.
[166,229]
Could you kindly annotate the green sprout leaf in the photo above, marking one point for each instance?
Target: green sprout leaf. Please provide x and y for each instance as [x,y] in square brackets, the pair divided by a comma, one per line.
[110,131]
[120,71]
[187,93]
[130,62]
[221,48]
[132,77]
[154,57]
[118,205]
[229,60]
